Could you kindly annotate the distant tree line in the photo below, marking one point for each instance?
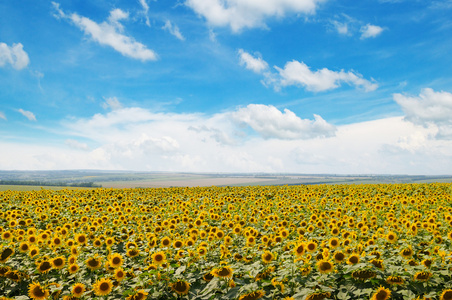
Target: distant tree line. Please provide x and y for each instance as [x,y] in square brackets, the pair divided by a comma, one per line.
[48,183]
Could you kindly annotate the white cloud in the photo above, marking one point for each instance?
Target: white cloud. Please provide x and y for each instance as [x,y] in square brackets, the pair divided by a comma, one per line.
[240,14]
[257,65]
[165,142]
[370,31]
[145,7]
[2,116]
[14,55]
[429,109]
[270,122]
[341,27]
[27,114]
[77,145]
[173,29]
[110,33]
[112,103]
[298,73]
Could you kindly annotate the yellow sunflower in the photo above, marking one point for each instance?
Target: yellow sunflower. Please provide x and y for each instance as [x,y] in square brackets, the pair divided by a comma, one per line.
[119,274]
[267,257]
[223,272]
[78,289]
[158,258]
[253,295]
[94,263]
[446,295]
[115,260]
[181,287]
[381,294]
[6,253]
[139,295]
[103,287]
[325,266]
[37,292]
[44,266]
[58,262]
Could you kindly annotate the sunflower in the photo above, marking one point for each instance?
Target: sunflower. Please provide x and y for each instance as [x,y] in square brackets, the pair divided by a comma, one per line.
[422,276]
[208,276]
[395,280]
[311,246]
[202,251]
[253,295]
[267,257]
[94,263]
[115,260]
[44,266]
[181,287]
[166,242]
[159,258]
[353,259]
[407,252]
[58,262]
[78,289]
[391,237]
[446,295]
[299,249]
[73,268]
[81,239]
[37,292]
[16,275]
[378,263]
[325,266]
[133,252]
[333,242]
[223,272]
[339,256]
[318,296]
[381,294]
[119,274]
[178,244]
[363,274]
[103,287]
[6,253]
[24,247]
[139,295]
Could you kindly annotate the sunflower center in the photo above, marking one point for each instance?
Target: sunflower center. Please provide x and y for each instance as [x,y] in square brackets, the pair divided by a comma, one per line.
[447,295]
[38,292]
[116,260]
[224,272]
[104,286]
[58,262]
[382,295]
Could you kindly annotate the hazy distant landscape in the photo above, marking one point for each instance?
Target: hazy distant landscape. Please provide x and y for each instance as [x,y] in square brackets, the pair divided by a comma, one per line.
[129,179]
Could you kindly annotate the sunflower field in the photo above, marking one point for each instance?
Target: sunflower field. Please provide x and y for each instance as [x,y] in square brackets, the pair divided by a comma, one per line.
[378,242]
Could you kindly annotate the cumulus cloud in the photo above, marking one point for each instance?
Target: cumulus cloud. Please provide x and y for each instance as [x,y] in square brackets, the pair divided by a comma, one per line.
[110,33]
[13,55]
[173,29]
[298,73]
[370,31]
[2,116]
[341,27]
[429,109]
[240,14]
[270,122]
[255,64]
[27,114]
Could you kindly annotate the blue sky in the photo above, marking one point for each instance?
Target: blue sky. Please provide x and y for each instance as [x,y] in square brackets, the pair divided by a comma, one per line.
[303,86]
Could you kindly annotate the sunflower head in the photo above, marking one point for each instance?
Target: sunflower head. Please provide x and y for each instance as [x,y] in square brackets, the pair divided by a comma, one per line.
[181,287]
[325,266]
[37,292]
[446,295]
[253,295]
[381,294]
[103,287]
[159,258]
[223,272]
[78,289]
[267,257]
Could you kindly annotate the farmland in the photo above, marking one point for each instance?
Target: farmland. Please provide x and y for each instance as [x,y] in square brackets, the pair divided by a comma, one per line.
[343,241]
